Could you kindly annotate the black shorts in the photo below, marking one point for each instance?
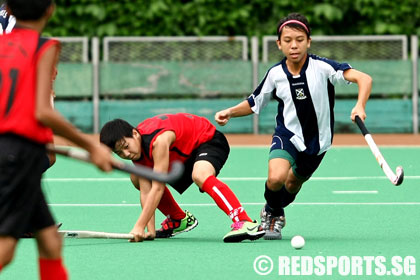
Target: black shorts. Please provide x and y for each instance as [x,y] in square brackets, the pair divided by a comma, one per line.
[22,204]
[215,151]
[303,165]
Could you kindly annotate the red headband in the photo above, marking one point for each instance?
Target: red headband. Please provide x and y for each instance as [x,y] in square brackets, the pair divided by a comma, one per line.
[294,21]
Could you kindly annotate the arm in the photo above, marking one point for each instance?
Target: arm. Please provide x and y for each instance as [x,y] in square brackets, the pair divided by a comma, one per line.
[364,82]
[160,155]
[100,155]
[240,110]
[145,186]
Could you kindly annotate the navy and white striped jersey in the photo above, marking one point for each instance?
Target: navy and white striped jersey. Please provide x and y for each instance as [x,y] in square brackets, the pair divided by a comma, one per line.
[305,112]
[7,22]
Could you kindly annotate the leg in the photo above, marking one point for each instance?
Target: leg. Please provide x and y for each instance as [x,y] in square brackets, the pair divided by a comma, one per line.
[282,186]
[211,156]
[272,215]
[50,261]
[243,227]
[177,221]
[204,176]
[168,206]
[46,162]
[278,171]
[282,158]
[25,207]
[49,243]
[288,170]
[48,240]
[7,249]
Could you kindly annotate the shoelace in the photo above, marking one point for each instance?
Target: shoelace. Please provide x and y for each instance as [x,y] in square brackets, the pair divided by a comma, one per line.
[276,222]
[237,225]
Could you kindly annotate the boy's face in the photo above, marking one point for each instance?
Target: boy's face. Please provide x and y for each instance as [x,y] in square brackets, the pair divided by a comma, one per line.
[129,147]
[294,44]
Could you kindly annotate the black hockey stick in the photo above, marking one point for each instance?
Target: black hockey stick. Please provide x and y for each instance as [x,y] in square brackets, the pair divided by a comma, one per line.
[397,178]
[139,170]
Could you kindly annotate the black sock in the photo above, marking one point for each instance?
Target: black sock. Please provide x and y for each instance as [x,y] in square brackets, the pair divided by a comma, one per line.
[276,201]
[274,211]
[273,200]
[286,197]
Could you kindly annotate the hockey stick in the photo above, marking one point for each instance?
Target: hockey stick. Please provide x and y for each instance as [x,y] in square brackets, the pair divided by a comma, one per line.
[139,170]
[397,178]
[94,234]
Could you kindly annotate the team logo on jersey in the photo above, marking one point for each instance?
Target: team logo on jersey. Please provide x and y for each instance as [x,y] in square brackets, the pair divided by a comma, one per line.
[300,94]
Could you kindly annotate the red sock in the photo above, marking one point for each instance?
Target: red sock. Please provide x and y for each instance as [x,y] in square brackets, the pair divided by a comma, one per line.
[169,207]
[225,199]
[52,269]
[1,267]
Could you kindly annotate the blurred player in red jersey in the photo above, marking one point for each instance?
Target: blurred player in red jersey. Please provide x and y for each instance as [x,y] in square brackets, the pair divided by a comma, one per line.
[27,64]
[7,23]
[193,140]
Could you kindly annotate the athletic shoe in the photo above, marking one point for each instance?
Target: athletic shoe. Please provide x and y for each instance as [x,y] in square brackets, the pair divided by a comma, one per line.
[244,230]
[272,225]
[32,235]
[171,227]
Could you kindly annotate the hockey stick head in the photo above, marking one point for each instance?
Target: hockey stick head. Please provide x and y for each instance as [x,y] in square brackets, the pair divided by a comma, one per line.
[400,176]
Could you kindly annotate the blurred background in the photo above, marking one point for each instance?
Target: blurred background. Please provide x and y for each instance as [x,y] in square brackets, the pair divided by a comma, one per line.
[135,59]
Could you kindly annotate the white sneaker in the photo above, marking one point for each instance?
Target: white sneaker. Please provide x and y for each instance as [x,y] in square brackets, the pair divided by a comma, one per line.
[272,225]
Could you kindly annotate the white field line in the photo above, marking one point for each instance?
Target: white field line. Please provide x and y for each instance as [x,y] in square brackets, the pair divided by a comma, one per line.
[355,192]
[246,203]
[101,179]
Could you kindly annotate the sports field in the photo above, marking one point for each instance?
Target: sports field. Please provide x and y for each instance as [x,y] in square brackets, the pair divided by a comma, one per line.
[354,221]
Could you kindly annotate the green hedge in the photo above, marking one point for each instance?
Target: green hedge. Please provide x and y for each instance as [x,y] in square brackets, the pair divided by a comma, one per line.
[230,17]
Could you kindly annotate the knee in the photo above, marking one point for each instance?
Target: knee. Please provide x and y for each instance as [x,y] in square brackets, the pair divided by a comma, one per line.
[199,177]
[292,186]
[275,182]
[8,246]
[6,258]
[50,248]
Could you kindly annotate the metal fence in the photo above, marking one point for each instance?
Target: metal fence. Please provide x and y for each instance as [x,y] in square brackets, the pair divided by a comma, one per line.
[342,48]
[74,49]
[216,66]
[129,49]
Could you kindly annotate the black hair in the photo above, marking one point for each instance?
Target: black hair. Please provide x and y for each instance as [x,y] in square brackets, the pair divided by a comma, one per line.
[115,130]
[28,9]
[298,17]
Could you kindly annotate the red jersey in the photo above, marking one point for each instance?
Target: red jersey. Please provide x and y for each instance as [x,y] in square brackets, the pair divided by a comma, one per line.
[190,132]
[20,52]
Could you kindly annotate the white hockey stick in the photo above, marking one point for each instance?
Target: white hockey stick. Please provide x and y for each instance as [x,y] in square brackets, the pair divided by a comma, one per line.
[94,234]
[397,178]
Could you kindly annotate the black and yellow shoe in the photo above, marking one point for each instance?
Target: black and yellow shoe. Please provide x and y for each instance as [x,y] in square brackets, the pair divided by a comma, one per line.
[171,227]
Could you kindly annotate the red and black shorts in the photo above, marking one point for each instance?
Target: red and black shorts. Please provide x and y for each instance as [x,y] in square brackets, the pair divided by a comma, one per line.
[22,204]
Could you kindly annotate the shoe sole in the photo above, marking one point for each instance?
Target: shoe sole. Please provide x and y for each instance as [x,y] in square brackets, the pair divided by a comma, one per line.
[187,229]
[244,236]
[269,236]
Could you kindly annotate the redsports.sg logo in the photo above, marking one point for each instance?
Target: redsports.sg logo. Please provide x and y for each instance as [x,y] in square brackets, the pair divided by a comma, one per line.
[333,265]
